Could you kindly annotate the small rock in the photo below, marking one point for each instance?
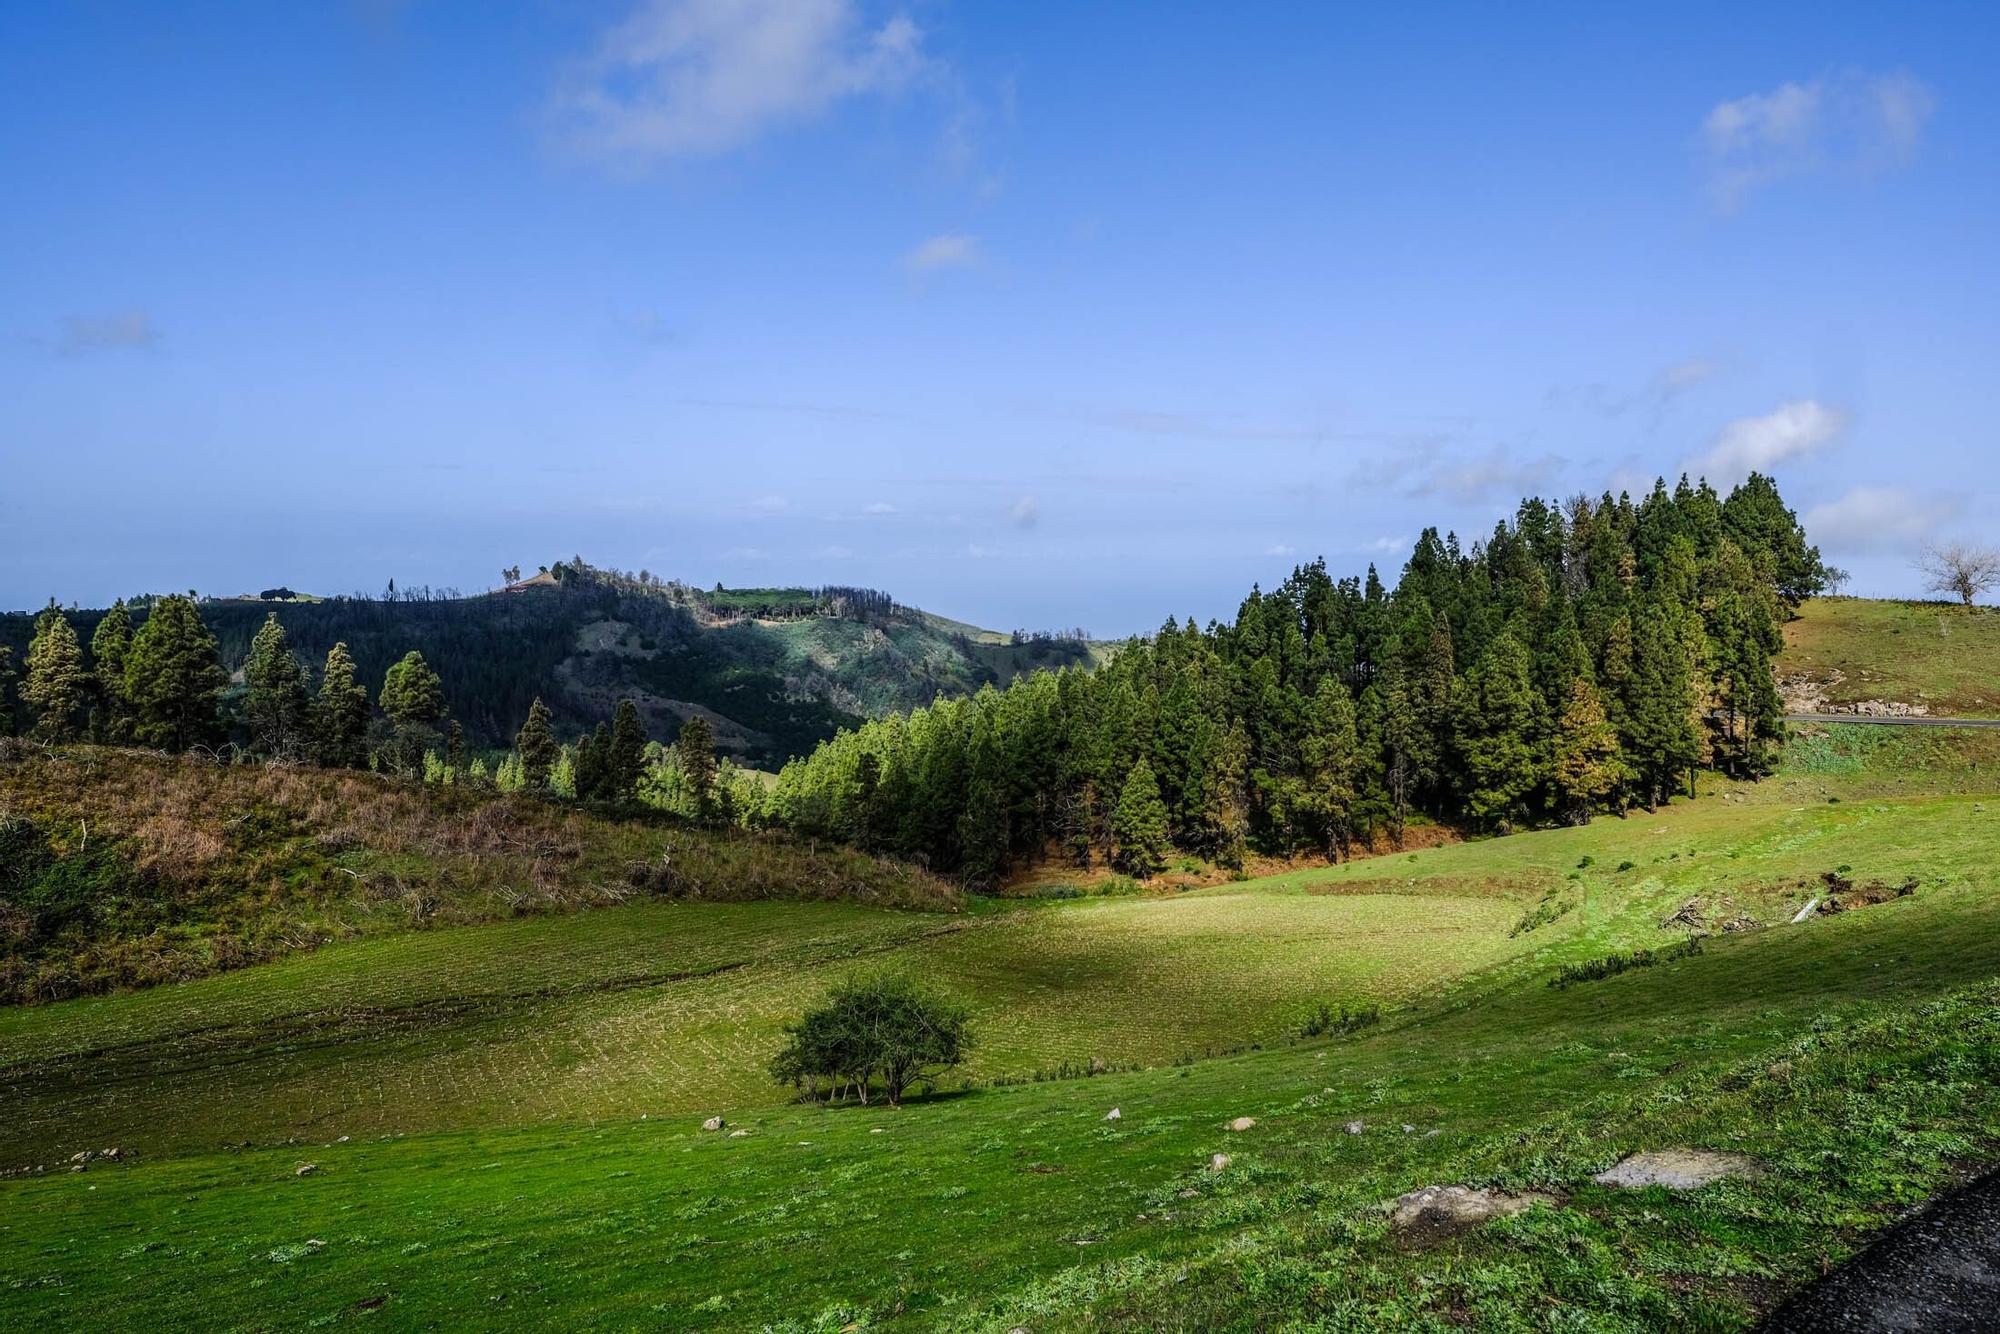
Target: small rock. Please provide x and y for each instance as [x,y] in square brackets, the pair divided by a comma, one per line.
[1217,1162]
[306,1169]
[1243,1123]
[1408,1128]
[1112,1115]
[875,1130]
[341,1140]
[714,1123]
[738,1133]
[1454,1208]
[1356,1127]
[1186,1194]
[1678,1169]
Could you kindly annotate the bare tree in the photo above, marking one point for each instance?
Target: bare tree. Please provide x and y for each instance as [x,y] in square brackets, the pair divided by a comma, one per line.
[1959,569]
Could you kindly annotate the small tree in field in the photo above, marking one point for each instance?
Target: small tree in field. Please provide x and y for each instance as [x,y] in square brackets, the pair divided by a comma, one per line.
[882,1028]
[1960,570]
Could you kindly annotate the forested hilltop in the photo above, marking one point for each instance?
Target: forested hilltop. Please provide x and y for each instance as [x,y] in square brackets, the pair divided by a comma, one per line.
[773,671]
[1584,657]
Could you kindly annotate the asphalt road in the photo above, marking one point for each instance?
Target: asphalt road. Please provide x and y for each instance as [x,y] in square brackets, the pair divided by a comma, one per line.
[1938,1273]
[1889,720]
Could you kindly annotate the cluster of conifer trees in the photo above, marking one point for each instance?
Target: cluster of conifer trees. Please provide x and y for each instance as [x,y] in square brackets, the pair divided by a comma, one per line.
[162,686]
[1583,658]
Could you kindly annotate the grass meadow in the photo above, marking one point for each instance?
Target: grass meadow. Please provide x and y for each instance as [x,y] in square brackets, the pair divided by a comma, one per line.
[501,1119]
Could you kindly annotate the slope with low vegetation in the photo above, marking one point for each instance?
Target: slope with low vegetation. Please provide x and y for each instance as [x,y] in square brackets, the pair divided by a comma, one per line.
[127,868]
[1856,655]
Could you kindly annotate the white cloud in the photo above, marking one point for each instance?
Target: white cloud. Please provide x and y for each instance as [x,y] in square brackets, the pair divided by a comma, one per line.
[1875,518]
[696,78]
[127,330]
[834,553]
[879,507]
[1758,444]
[770,506]
[1023,512]
[746,553]
[953,250]
[1281,549]
[1851,122]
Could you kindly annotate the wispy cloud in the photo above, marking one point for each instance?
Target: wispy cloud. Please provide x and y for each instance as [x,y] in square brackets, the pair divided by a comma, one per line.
[879,507]
[1850,122]
[770,506]
[1023,513]
[952,250]
[1425,468]
[1877,518]
[1651,399]
[124,331]
[696,78]
[1758,444]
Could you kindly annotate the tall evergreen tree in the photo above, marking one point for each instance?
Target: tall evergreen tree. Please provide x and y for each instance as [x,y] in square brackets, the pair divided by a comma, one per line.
[277,703]
[628,751]
[340,714]
[1498,729]
[57,683]
[110,645]
[172,677]
[1327,763]
[413,698]
[695,748]
[536,745]
[1586,768]
[1140,825]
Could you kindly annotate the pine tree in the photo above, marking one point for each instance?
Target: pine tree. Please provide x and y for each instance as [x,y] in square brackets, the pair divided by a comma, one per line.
[56,684]
[1327,761]
[1140,825]
[413,698]
[1587,767]
[589,762]
[172,677]
[340,714]
[110,645]
[628,751]
[695,748]
[536,747]
[1497,716]
[278,705]
[454,750]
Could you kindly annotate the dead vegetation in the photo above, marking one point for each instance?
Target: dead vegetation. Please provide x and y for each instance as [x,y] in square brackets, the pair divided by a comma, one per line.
[136,868]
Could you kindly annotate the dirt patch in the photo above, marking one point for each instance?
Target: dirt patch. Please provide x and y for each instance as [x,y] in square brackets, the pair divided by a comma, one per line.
[1431,1214]
[1678,1169]
[1843,895]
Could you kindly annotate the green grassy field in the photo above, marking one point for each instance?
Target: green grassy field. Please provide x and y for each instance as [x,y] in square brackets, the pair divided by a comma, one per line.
[1931,653]
[520,1099]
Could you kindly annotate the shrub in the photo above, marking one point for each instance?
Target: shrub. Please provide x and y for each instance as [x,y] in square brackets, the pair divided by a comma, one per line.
[1612,964]
[1325,1019]
[883,1027]
[1548,910]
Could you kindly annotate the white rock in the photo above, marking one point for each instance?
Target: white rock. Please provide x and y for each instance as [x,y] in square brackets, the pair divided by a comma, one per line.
[1218,1161]
[1243,1123]
[1356,1127]
[713,1123]
[1112,1115]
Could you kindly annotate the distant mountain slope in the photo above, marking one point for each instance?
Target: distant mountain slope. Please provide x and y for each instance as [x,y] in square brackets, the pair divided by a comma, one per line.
[773,670]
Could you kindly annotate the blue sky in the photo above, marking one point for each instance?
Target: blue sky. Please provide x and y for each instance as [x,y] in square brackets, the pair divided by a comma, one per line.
[1033,314]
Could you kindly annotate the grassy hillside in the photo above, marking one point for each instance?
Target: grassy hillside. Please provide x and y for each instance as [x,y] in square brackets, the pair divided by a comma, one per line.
[519,1100]
[122,868]
[773,670]
[1844,653]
